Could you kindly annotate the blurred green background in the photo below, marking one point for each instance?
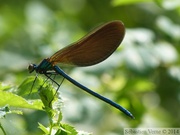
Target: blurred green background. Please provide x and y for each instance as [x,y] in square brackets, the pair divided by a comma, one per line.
[143,75]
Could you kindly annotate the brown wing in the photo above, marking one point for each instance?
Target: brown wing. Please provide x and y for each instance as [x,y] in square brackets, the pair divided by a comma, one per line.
[93,48]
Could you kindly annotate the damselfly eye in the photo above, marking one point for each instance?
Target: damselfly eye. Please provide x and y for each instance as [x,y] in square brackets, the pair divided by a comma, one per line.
[31,68]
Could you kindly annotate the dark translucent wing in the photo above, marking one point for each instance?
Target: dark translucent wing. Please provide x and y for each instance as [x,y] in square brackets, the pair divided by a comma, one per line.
[93,48]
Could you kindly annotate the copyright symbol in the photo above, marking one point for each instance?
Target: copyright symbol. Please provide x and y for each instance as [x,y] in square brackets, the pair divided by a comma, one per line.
[164,131]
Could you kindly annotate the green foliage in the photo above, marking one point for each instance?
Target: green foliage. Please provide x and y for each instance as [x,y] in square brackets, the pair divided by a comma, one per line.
[8,98]
[143,75]
[48,103]
[126,2]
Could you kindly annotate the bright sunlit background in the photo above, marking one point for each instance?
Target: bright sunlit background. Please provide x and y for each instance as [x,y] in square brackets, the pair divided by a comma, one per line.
[143,75]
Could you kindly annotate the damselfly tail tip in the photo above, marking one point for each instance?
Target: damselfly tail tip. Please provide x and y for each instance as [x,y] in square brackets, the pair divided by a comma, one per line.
[128,114]
[132,117]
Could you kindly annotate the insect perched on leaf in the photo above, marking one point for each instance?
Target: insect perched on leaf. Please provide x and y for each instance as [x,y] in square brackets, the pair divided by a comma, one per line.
[91,49]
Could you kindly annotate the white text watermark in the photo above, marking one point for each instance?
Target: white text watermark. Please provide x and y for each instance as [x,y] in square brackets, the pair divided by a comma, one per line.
[151,131]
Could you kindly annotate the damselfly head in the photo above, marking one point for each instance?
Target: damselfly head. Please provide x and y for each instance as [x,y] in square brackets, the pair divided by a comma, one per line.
[31,67]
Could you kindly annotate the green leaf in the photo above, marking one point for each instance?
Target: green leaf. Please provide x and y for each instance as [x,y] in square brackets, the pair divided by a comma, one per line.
[1,127]
[4,87]
[43,128]
[8,98]
[30,85]
[66,130]
[47,95]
